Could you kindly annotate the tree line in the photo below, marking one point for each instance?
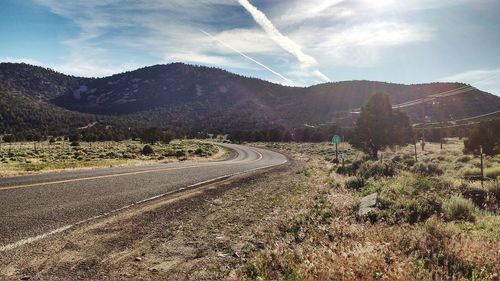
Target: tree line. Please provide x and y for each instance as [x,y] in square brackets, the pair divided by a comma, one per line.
[378,126]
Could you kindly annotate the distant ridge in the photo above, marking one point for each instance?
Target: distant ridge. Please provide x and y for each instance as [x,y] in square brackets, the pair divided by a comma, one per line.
[197,98]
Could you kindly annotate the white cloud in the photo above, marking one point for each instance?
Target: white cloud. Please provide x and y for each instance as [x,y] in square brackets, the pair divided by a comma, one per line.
[22,60]
[319,34]
[306,61]
[360,45]
[376,34]
[247,40]
[484,79]
[249,58]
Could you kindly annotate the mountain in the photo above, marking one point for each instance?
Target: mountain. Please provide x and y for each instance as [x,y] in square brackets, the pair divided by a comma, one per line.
[195,98]
[20,112]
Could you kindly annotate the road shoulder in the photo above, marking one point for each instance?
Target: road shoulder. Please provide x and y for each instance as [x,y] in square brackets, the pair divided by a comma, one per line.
[203,233]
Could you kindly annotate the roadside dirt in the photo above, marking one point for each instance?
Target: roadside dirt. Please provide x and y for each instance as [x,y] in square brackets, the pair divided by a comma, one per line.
[201,234]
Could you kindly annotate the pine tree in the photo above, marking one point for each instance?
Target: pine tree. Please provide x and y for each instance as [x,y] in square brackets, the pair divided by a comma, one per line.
[379,126]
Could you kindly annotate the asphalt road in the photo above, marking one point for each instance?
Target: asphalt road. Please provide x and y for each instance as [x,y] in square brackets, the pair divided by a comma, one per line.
[32,207]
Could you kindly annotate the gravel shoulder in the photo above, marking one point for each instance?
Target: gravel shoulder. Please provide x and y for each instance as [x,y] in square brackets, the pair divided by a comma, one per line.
[202,234]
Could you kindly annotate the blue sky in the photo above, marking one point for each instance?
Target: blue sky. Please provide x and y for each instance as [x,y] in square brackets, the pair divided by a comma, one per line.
[293,42]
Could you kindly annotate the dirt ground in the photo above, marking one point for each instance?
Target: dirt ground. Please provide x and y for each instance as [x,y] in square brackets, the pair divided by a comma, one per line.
[203,234]
[295,222]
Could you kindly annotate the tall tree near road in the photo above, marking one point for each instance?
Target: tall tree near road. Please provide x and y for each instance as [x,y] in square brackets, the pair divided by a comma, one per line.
[379,126]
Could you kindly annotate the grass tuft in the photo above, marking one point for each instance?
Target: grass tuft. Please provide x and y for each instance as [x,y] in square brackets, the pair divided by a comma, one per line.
[459,208]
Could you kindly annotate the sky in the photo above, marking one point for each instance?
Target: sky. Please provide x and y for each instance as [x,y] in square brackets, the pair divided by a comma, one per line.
[292,42]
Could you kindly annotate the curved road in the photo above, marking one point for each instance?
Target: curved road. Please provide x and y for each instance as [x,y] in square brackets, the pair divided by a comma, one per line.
[32,207]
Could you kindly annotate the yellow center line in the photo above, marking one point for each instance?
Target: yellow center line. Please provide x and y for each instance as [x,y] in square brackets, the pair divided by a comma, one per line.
[260,155]
[93,178]
[112,175]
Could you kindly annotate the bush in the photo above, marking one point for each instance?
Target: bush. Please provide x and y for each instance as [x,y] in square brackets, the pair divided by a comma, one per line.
[147,150]
[492,173]
[487,135]
[371,169]
[180,153]
[494,189]
[199,151]
[355,183]
[459,208]
[409,162]
[429,169]
[464,159]
[476,195]
[350,169]
[410,198]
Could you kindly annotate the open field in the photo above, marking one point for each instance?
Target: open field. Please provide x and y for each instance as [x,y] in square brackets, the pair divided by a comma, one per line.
[428,223]
[296,222]
[29,157]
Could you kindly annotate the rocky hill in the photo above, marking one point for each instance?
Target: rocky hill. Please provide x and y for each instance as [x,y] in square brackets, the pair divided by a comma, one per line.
[200,98]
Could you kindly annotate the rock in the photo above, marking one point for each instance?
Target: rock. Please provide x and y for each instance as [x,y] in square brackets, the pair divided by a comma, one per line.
[138,259]
[26,277]
[367,204]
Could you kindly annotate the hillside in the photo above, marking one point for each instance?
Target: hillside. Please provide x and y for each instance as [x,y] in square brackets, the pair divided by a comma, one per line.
[198,98]
[21,113]
[37,82]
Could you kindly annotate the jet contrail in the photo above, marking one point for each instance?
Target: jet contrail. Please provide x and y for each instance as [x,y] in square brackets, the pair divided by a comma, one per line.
[284,42]
[247,57]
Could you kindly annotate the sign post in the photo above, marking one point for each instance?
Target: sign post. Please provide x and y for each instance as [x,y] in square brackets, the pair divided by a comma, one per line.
[336,140]
[482,165]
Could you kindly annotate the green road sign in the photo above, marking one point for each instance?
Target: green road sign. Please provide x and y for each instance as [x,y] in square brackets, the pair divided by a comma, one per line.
[336,139]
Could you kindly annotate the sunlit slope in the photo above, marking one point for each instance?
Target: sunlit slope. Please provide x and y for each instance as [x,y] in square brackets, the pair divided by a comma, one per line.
[202,98]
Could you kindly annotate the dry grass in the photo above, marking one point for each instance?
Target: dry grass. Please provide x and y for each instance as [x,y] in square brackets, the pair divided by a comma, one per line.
[22,158]
[422,230]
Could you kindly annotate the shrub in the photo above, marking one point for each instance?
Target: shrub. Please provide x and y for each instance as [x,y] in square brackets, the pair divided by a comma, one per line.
[371,169]
[476,195]
[409,162]
[410,198]
[467,172]
[180,153]
[492,172]
[494,189]
[147,150]
[429,169]
[464,159]
[350,169]
[397,159]
[355,183]
[459,208]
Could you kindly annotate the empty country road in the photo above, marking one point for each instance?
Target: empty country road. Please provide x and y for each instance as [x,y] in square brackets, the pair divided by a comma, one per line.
[32,207]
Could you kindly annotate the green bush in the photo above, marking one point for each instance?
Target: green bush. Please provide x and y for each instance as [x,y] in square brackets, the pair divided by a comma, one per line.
[350,169]
[459,208]
[371,169]
[180,153]
[427,169]
[410,198]
[147,150]
[464,159]
[492,173]
[409,162]
[494,189]
[355,183]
